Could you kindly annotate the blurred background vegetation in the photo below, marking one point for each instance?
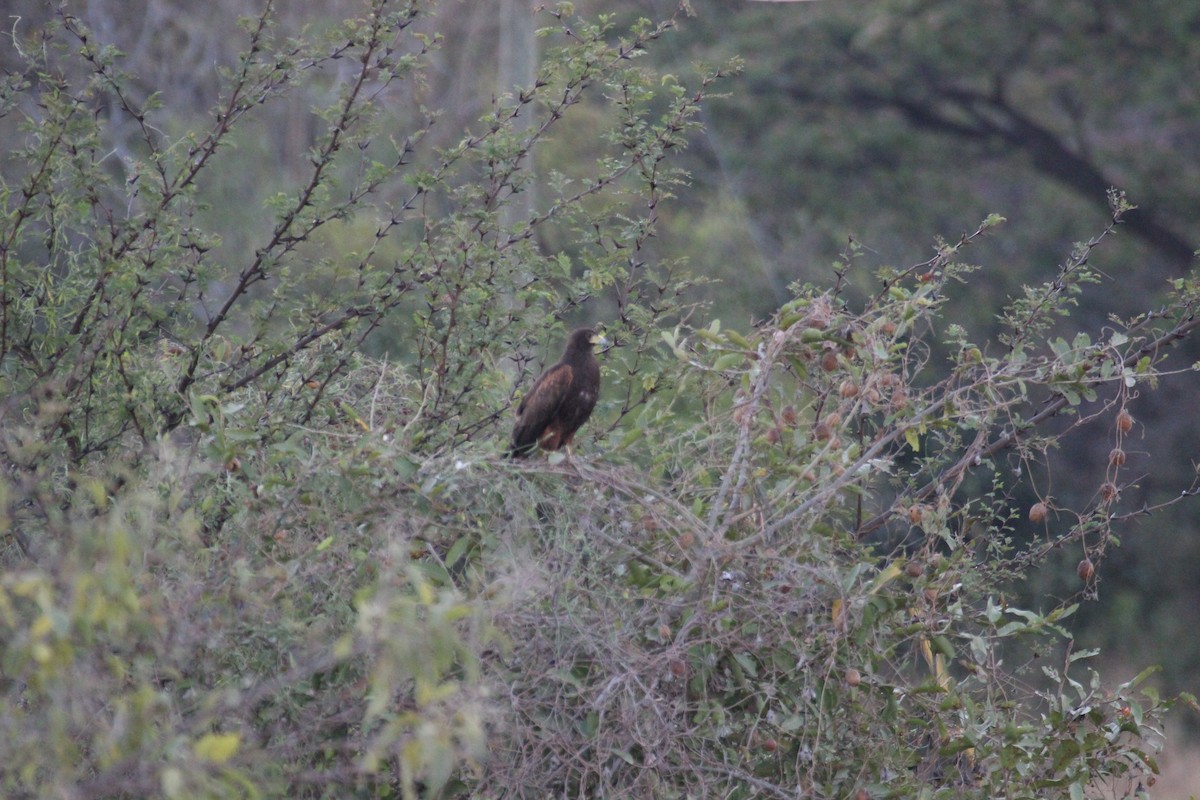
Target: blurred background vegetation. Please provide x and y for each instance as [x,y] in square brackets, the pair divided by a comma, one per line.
[855,135]
[889,123]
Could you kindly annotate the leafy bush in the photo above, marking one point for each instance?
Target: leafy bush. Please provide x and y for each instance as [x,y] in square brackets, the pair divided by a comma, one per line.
[245,558]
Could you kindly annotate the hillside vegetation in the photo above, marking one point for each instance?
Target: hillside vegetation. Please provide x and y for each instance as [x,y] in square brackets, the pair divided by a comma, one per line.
[258,537]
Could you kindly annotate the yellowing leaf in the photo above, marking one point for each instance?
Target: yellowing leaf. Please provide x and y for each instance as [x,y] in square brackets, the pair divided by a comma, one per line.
[172,782]
[838,614]
[217,748]
[41,627]
[926,652]
[886,576]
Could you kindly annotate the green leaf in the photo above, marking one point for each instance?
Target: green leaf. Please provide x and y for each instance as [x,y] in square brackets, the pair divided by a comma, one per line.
[405,467]
[747,663]
[624,755]
[738,339]
[943,646]
[1081,654]
[1141,677]
[728,361]
[458,550]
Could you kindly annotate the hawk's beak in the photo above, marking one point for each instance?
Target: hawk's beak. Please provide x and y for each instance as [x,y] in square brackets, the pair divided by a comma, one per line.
[601,341]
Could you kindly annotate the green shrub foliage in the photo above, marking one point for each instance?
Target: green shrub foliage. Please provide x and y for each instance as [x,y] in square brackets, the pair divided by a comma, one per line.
[258,541]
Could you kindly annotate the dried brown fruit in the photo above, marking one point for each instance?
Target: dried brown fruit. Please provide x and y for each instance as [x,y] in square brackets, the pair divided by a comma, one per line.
[1116,457]
[1108,492]
[770,745]
[789,416]
[1124,421]
[829,361]
[916,513]
[1085,570]
[914,569]
[1037,512]
[848,389]
[820,313]
[853,677]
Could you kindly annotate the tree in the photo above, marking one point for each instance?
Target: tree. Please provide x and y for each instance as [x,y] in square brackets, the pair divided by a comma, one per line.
[161,385]
[949,111]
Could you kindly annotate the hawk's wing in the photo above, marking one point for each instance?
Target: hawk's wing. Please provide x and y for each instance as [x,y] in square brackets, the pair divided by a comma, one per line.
[539,407]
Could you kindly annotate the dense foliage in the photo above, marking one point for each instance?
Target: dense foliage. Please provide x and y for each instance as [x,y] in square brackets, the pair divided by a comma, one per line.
[258,539]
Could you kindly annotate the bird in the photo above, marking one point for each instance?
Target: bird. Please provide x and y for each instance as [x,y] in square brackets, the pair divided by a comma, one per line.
[561,399]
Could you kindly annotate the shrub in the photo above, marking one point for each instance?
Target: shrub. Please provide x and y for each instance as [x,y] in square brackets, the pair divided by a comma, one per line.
[802,589]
